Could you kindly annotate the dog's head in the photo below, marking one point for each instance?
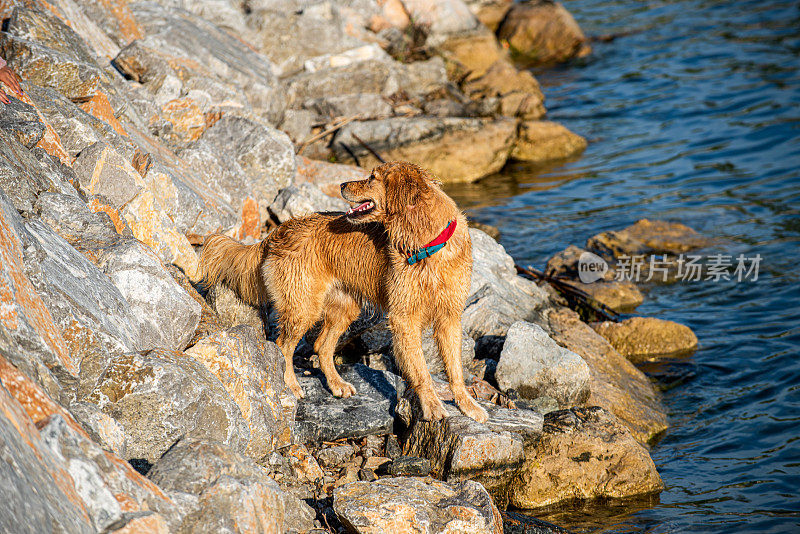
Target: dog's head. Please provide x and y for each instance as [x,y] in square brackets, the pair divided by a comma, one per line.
[402,196]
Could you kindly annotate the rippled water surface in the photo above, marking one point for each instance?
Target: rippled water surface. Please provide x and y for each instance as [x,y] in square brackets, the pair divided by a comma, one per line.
[692,115]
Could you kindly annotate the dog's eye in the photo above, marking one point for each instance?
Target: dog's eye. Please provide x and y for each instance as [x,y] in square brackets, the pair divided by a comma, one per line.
[371,178]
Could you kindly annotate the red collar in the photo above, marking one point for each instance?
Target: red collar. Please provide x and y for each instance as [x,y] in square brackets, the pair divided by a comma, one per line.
[434,246]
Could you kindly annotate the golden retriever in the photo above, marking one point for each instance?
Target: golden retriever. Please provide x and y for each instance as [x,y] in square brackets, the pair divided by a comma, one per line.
[325,266]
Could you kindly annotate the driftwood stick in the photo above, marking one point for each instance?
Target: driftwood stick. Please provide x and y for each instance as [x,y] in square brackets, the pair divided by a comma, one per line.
[369,148]
[323,133]
[352,154]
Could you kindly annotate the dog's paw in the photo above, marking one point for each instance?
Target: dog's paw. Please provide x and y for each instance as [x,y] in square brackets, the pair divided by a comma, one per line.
[291,380]
[432,408]
[342,389]
[472,409]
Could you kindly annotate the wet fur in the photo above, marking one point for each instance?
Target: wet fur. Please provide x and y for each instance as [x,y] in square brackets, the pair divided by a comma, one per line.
[327,266]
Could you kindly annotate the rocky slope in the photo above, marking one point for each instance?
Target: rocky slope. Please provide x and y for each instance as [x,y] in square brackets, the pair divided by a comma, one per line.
[133,403]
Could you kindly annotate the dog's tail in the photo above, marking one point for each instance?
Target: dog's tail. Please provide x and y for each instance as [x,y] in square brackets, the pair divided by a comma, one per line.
[225,260]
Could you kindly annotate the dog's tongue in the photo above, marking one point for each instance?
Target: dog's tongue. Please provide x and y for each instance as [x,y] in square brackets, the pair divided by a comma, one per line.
[360,207]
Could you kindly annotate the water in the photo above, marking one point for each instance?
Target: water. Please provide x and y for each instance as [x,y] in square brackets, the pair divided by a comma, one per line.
[693,117]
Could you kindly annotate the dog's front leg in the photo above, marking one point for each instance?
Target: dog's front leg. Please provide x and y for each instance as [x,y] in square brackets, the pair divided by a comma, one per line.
[447,332]
[407,341]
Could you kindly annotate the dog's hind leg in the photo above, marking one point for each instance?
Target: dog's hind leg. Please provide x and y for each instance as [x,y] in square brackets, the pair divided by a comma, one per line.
[339,310]
[447,332]
[407,341]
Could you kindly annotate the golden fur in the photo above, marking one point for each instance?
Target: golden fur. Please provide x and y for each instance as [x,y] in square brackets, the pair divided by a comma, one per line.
[326,266]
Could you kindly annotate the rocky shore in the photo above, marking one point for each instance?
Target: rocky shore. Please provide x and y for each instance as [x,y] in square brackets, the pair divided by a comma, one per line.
[135,399]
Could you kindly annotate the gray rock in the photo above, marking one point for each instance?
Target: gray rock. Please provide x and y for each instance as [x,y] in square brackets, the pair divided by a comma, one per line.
[231,492]
[233,311]
[297,124]
[45,51]
[323,417]
[304,199]
[219,171]
[266,155]
[534,365]
[413,505]
[410,466]
[367,77]
[251,370]
[335,456]
[163,395]
[101,427]
[33,499]
[498,297]
[103,171]
[365,106]
[72,219]
[167,315]
[23,122]
[100,477]
[24,173]
[460,448]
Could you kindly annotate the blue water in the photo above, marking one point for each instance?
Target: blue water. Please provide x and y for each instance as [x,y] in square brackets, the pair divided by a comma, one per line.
[693,116]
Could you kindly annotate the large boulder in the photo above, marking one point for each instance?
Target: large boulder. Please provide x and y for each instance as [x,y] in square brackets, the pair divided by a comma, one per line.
[327,176]
[225,491]
[323,417]
[304,199]
[497,297]
[542,31]
[446,146]
[584,453]
[252,372]
[460,448]
[534,365]
[646,338]
[160,396]
[44,50]
[541,141]
[412,505]
[646,237]
[56,477]
[616,384]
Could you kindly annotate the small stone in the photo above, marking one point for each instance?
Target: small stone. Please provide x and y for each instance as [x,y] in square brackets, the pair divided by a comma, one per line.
[392,447]
[375,462]
[410,466]
[335,456]
[367,475]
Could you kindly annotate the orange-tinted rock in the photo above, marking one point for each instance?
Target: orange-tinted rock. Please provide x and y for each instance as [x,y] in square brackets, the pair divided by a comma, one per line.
[99,107]
[541,141]
[647,338]
[251,220]
[144,523]
[188,121]
[51,142]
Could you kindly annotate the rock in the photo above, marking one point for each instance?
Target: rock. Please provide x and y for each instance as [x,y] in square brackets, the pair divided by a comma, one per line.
[100,427]
[517,92]
[378,339]
[266,155]
[441,19]
[231,493]
[348,57]
[74,220]
[233,311]
[327,176]
[541,31]
[646,237]
[23,122]
[164,395]
[304,467]
[367,77]
[584,453]
[24,173]
[200,56]
[490,12]
[497,297]
[647,338]
[460,448]
[78,486]
[335,456]
[541,141]
[292,38]
[167,315]
[444,146]
[367,106]
[45,51]
[413,505]
[297,124]
[616,385]
[323,417]
[393,449]
[297,201]
[116,21]
[534,365]
[251,370]
[410,466]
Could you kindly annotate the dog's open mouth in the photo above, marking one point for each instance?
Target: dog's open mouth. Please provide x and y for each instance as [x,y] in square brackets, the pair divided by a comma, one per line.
[361,209]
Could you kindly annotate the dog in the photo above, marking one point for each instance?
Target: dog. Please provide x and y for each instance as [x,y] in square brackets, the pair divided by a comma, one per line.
[403,246]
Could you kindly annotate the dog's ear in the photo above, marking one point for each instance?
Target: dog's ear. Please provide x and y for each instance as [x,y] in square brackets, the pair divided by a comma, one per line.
[403,192]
